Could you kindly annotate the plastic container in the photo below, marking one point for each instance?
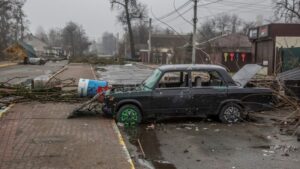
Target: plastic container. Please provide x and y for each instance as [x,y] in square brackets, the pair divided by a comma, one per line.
[89,88]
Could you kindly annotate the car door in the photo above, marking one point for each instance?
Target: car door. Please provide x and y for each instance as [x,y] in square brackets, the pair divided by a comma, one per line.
[208,91]
[172,95]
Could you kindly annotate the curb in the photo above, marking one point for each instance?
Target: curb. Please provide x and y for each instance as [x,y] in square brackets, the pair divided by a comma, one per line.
[6,109]
[117,131]
[8,64]
[122,143]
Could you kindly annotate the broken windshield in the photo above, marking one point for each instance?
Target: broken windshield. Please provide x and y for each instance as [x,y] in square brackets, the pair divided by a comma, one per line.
[152,79]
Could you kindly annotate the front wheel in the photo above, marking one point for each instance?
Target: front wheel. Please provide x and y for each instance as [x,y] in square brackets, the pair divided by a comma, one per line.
[231,113]
[129,115]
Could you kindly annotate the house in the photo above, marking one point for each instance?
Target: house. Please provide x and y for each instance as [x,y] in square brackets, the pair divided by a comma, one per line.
[167,49]
[56,53]
[43,50]
[38,45]
[276,46]
[21,51]
[232,51]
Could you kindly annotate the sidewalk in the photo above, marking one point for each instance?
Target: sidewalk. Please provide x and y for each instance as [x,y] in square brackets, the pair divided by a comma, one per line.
[37,135]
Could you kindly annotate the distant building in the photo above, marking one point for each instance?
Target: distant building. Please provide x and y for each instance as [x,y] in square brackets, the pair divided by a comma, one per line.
[43,50]
[56,53]
[38,45]
[232,51]
[276,46]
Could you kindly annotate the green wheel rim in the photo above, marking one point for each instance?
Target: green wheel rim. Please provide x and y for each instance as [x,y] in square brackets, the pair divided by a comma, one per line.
[129,117]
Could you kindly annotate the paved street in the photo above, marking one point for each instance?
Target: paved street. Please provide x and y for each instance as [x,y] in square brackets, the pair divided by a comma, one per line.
[29,71]
[38,135]
[183,144]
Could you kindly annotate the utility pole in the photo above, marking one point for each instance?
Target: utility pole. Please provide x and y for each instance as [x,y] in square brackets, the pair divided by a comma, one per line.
[125,48]
[195,20]
[149,41]
[117,44]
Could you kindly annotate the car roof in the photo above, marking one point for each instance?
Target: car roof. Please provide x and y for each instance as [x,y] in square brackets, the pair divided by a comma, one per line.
[190,67]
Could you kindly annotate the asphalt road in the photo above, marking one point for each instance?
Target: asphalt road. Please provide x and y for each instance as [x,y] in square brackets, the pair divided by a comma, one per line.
[183,144]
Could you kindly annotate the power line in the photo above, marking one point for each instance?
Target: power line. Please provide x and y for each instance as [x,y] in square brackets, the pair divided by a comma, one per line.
[174,4]
[161,21]
[245,3]
[237,8]
[189,9]
[173,12]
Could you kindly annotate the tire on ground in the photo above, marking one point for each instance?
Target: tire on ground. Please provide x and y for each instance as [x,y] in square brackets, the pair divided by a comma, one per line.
[231,113]
[129,115]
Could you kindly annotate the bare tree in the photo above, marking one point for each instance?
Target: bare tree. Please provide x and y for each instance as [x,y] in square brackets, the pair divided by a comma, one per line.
[223,23]
[75,39]
[12,22]
[41,34]
[248,25]
[129,10]
[207,30]
[55,37]
[289,10]
[220,25]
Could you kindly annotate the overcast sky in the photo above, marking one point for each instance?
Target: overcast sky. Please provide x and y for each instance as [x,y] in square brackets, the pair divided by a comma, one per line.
[97,17]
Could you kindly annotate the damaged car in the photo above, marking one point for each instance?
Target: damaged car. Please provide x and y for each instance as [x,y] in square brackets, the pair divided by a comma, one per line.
[187,91]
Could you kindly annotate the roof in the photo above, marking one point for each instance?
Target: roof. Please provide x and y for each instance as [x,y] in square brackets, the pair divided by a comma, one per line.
[190,67]
[28,48]
[167,41]
[230,41]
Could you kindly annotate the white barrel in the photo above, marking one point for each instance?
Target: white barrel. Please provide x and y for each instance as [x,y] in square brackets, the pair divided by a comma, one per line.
[89,88]
[82,87]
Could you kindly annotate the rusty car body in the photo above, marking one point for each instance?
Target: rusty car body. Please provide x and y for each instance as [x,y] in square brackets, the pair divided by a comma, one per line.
[186,90]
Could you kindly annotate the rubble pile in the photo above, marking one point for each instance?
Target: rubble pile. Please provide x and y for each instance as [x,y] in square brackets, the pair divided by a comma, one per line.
[291,120]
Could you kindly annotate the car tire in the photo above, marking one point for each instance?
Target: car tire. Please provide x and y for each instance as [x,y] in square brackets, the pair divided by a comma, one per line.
[231,113]
[129,115]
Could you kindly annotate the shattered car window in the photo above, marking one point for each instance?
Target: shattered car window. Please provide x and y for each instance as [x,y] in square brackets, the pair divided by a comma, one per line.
[152,79]
[174,80]
[206,78]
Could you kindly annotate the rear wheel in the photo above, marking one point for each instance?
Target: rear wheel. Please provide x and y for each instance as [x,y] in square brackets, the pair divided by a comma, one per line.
[231,113]
[129,115]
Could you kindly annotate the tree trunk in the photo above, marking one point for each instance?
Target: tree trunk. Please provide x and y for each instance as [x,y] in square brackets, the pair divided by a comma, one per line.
[132,48]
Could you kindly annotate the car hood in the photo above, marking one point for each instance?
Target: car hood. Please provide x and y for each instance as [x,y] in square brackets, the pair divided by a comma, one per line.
[244,75]
[124,90]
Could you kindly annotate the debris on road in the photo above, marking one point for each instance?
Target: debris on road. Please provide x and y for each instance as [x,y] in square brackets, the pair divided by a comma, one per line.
[150,127]
[39,89]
